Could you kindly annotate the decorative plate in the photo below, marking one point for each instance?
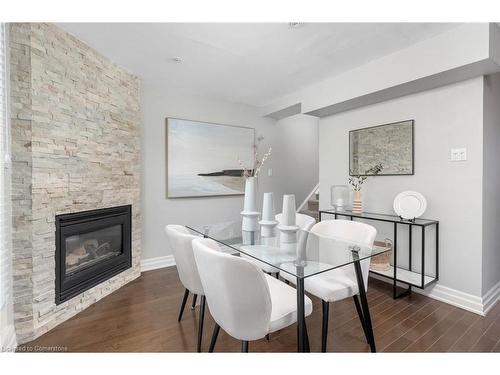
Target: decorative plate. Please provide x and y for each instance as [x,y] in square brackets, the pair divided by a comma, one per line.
[410,205]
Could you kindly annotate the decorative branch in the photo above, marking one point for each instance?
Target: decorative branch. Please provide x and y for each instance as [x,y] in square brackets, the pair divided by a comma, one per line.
[261,163]
[257,164]
[358,180]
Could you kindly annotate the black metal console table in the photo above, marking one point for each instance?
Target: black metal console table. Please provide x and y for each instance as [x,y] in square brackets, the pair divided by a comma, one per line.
[395,273]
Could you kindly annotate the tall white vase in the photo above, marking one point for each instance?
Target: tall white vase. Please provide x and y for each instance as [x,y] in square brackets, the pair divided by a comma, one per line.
[250,213]
[268,222]
[288,227]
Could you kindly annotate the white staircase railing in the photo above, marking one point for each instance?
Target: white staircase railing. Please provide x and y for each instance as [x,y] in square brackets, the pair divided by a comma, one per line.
[303,204]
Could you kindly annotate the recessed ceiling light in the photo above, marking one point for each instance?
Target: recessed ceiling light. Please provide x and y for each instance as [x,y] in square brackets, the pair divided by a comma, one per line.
[295,25]
[176,59]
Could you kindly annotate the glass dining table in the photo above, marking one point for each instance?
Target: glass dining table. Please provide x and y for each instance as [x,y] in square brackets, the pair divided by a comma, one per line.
[308,256]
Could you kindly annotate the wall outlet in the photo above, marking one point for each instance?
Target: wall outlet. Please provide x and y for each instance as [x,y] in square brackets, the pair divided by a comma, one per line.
[458,154]
[270,172]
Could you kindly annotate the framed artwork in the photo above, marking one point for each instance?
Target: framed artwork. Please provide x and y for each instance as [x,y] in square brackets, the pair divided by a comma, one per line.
[382,150]
[202,158]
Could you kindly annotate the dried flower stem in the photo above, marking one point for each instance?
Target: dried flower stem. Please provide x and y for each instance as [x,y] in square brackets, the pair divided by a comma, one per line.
[357,181]
[257,164]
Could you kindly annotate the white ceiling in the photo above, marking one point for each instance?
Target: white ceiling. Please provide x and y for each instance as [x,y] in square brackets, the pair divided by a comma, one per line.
[246,63]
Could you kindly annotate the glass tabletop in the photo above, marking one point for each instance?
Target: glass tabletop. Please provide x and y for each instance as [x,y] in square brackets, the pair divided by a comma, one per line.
[309,254]
[379,217]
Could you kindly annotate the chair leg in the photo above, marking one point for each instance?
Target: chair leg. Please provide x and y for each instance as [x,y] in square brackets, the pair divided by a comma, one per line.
[324,331]
[268,337]
[244,346]
[215,334]
[193,304]
[183,304]
[361,317]
[200,322]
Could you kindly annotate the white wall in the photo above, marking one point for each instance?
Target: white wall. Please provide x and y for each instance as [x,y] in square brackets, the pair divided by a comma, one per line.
[285,138]
[446,117]
[297,145]
[491,183]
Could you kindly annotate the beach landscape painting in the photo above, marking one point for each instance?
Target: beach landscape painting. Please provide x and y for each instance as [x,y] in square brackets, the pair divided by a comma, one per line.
[202,158]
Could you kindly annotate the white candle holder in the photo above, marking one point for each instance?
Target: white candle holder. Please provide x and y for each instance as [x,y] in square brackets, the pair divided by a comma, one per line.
[268,222]
[287,227]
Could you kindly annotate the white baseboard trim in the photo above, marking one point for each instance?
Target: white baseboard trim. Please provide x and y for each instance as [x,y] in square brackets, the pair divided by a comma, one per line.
[9,342]
[454,297]
[158,262]
[491,298]
[451,296]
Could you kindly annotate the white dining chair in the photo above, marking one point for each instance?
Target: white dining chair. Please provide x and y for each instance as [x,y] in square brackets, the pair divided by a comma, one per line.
[180,240]
[340,283]
[244,301]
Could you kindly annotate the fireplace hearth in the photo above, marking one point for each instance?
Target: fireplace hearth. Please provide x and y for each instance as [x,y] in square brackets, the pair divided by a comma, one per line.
[91,247]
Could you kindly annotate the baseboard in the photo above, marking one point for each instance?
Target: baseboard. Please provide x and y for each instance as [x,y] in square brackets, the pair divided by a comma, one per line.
[9,337]
[451,296]
[491,298]
[454,297]
[158,262]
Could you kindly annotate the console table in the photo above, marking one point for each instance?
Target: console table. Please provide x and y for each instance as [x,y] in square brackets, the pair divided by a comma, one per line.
[397,274]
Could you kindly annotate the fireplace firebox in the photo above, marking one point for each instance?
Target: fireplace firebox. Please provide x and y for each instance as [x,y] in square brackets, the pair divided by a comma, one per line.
[91,247]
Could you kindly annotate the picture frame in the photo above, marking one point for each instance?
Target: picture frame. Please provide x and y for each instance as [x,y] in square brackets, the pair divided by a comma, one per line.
[391,145]
[202,158]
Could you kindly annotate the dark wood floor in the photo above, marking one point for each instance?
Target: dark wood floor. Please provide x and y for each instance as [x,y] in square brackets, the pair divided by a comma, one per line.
[142,317]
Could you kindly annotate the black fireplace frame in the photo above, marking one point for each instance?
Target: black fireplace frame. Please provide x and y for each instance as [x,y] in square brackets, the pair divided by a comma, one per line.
[84,222]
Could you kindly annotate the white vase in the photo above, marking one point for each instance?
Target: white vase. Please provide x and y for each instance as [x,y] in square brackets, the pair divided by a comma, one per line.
[250,213]
[288,228]
[268,222]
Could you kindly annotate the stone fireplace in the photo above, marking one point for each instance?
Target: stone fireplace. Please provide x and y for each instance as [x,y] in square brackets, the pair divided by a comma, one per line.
[75,120]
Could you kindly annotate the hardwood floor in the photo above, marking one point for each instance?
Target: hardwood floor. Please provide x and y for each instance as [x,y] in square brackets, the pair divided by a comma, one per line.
[142,317]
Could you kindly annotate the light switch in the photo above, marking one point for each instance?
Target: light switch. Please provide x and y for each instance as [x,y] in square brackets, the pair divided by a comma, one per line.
[270,172]
[458,154]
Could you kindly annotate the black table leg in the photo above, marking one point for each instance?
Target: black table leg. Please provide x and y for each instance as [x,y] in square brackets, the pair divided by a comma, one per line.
[364,303]
[301,345]
[437,251]
[395,252]
[306,340]
[423,257]
[361,317]
[244,346]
